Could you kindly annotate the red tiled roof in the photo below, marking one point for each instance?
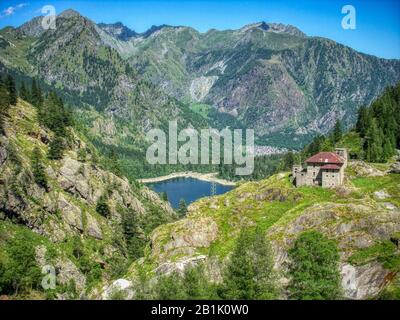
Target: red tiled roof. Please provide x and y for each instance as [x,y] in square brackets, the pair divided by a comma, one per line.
[331,166]
[325,157]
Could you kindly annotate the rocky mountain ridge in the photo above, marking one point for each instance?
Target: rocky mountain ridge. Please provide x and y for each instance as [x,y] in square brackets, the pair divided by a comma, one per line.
[270,77]
[66,210]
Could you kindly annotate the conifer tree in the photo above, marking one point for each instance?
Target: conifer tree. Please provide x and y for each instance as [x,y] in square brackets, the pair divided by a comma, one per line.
[379,126]
[56,148]
[182,209]
[265,276]
[102,206]
[12,91]
[288,161]
[38,167]
[361,126]
[314,268]
[337,132]
[23,93]
[249,274]
[114,163]
[196,284]
[4,103]
[374,142]
[169,287]
[239,276]
[36,97]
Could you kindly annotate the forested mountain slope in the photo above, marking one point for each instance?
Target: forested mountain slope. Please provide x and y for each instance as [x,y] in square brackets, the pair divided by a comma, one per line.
[59,207]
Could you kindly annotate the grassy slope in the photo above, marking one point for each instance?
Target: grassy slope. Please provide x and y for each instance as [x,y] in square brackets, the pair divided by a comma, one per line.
[271,204]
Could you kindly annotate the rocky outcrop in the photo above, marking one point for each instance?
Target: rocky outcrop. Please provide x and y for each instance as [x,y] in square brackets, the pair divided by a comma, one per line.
[120,287]
[353,227]
[65,271]
[365,281]
[183,237]
[179,266]
[93,227]
[364,169]
[395,167]
[71,214]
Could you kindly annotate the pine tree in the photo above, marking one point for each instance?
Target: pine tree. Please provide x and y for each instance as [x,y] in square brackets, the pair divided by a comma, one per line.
[12,91]
[56,148]
[374,139]
[379,125]
[164,196]
[102,206]
[23,93]
[133,236]
[182,209]
[337,132]
[196,284]
[327,144]
[314,147]
[314,268]
[249,274]
[114,164]
[361,126]
[288,161]
[239,276]
[36,97]
[4,104]
[38,167]
[265,276]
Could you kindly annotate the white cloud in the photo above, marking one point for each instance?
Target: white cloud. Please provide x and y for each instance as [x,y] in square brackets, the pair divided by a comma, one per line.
[11,10]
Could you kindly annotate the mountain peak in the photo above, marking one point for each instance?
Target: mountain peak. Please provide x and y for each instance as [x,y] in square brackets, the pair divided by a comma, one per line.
[275,28]
[69,13]
[154,29]
[118,30]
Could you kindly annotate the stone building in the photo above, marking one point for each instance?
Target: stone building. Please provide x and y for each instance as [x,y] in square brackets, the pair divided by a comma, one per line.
[325,169]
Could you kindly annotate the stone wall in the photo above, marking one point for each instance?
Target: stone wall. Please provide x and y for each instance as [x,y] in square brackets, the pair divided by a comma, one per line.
[331,178]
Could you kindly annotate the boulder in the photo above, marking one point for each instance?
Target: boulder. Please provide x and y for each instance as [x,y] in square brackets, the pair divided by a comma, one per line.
[364,169]
[395,167]
[122,286]
[381,194]
[179,266]
[363,282]
[71,214]
[92,227]
[187,233]
[67,271]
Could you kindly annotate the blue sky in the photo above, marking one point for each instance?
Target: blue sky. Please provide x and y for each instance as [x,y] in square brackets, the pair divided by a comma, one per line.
[377,22]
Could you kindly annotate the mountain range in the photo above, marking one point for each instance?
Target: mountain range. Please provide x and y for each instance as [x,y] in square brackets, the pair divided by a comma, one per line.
[270,77]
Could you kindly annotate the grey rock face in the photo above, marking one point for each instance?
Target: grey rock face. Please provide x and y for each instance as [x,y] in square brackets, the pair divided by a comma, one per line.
[395,167]
[179,266]
[92,227]
[67,271]
[118,286]
[71,214]
[186,235]
[364,281]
